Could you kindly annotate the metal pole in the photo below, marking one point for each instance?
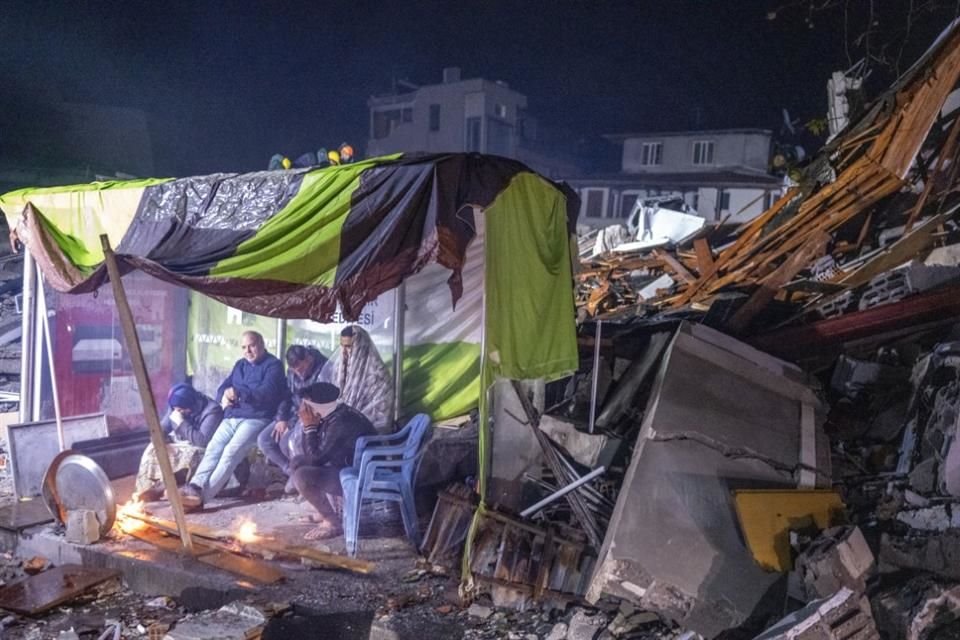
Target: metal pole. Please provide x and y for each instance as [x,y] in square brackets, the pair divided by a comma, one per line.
[596,374]
[45,322]
[27,328]
[281,338]
[559,493]
[37,358]
[399,311]
[128,324]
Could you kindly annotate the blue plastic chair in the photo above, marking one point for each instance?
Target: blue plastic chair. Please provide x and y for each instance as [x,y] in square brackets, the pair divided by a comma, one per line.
[383,468]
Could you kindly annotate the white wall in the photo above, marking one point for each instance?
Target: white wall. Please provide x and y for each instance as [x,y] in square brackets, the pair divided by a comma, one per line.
[739,149]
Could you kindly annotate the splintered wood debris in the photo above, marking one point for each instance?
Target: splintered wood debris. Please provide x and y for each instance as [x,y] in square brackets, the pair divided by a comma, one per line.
[878,195]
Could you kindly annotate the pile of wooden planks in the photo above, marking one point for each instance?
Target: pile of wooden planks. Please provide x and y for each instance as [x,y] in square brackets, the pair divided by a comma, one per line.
[898,163]
[224,550]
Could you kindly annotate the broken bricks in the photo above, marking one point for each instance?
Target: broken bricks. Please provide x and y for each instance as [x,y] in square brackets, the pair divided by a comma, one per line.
[839,558]
[845,615]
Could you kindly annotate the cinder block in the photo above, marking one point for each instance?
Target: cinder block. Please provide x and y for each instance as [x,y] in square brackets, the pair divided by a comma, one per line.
[83,527]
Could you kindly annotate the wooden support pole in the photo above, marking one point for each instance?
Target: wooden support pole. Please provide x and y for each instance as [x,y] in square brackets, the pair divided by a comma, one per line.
[146,393]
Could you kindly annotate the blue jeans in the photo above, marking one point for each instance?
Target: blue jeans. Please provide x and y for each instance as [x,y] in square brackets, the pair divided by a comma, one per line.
[290,444]
[228,447]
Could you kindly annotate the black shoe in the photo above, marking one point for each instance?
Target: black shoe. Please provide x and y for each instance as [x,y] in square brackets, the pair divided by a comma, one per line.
[153,494]
[192,497]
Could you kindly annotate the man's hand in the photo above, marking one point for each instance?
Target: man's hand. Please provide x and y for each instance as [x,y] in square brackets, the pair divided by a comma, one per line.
[307,417]
[229,397]
[279,429]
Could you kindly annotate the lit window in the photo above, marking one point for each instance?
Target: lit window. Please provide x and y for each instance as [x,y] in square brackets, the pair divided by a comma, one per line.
[703,152]
[500,110]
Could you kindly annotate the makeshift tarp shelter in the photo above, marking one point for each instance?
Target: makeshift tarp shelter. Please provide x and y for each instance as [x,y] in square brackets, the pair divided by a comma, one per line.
[481,245]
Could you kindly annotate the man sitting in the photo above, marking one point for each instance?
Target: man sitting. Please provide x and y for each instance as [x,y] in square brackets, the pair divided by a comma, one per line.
[284,437]
[190,422]
[330,432]
[250,396]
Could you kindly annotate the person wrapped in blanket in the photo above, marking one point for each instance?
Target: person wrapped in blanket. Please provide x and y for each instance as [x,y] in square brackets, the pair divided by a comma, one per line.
[364,381]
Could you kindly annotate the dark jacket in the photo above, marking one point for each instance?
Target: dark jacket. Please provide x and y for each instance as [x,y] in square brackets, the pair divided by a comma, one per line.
[287,411]
[333,441]
[260,388]
[197,428]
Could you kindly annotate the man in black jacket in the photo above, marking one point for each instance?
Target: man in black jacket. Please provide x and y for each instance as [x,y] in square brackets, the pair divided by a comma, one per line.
[330,432]
[285,435]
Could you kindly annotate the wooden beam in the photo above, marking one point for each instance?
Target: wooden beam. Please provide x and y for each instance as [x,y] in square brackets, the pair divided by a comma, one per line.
[814,248]
[704,255]
[146,392]
[675,266]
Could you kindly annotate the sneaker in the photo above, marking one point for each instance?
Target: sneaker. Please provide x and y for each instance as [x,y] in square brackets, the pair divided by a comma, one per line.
[192,497]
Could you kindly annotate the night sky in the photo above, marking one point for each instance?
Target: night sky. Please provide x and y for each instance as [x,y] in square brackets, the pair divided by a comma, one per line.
[226,85]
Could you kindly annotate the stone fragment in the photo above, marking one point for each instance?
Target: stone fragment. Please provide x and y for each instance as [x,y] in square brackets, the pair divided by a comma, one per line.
[585,626]
[480,611]
[35,565]
[559,632]
[236,621]
[83,527]
[923,478]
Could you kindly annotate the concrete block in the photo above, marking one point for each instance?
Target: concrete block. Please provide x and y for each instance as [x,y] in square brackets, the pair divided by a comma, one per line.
[83,527]
[839,558]
[845,615]
[721,416]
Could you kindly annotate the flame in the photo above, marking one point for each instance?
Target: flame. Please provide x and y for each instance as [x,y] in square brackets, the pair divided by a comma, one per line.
[125,523]
[246,530]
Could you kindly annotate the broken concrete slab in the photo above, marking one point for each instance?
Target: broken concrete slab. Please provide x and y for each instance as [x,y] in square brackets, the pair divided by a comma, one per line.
[83,527]
[590,450]
[936,518]
[721,416]
[839,558]
[235,621]
[937,553]
[845,615]
[915,610]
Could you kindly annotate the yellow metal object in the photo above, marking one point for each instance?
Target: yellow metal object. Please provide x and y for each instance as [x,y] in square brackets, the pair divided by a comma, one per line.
[767,517]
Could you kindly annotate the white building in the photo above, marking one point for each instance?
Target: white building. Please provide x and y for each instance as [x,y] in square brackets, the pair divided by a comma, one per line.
[461,116]
[721,174]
